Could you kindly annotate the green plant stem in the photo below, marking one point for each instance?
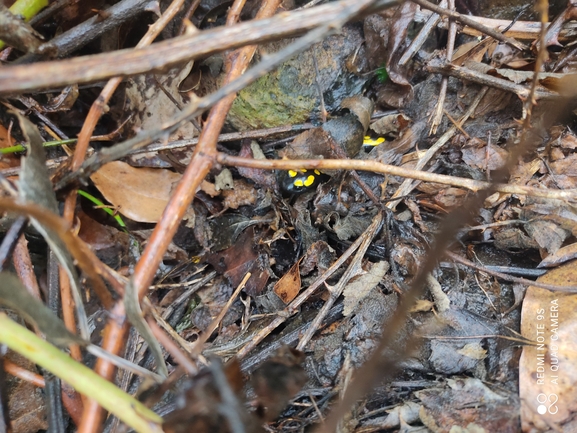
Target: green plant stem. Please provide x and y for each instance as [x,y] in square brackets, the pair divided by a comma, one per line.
[22,148]
[81,378]
[26,9]
[103,206]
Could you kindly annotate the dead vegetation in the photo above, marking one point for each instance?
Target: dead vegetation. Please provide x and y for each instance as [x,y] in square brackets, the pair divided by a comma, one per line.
[355,216]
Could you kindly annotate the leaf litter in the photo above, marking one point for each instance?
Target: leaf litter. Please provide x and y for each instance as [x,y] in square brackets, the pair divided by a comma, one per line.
[243,223]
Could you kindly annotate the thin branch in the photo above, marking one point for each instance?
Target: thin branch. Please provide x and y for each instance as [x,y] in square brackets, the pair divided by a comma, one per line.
[423,35]
[530,102]
[352,270]
[463,19]
[437,66]
[507,277]
[377,167]
[198,345]
[438,112]
[83,33]
[519,30]
[184,143]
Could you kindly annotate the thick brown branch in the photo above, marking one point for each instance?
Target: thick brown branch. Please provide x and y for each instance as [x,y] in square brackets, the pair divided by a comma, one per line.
[166,54]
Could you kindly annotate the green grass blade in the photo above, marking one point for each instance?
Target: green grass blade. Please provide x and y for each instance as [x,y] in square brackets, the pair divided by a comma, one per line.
[21,148]
[81,378]
[105,208]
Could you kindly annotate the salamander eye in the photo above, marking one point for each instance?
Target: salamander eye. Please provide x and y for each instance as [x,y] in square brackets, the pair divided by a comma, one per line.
[297,182]
[369,143]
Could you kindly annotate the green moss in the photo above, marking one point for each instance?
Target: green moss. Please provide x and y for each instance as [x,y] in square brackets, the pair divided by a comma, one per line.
[270,102]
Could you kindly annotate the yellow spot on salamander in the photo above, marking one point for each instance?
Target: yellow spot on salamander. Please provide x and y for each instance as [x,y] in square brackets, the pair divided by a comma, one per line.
[309,180]
[299,182]
[292,173]
[318,173]
[368,141]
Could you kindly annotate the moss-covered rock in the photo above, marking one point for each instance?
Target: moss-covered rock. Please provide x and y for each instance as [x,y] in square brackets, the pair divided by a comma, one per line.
[290,94]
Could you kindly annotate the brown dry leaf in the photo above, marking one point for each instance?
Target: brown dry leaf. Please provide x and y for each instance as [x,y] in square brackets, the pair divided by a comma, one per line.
[475,154]
[473,350]
[235,261]
[243,194]
[210,302]
[393,151]
[450,198]
[390,124]
[566,166]
[141,194]
[150,105]
[209,188]
[560,256]
[265,178]
[493,101]
[430,188]
[199,402]
[108,243]
[559,212]
[360,106]
[562,83]
[519,77]
[548,370]
[288,287]
[351,226]
[473,50]
[310,144]
[512,75]
[356,291]
[149,101]
[479,408]
[560,181]
[513,238]
[568,141]
[547,234]
[319,255]
[385,35]
[556,154]
[520,175]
